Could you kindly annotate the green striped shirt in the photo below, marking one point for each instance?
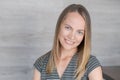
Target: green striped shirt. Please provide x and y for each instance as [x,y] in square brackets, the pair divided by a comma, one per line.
[41,63]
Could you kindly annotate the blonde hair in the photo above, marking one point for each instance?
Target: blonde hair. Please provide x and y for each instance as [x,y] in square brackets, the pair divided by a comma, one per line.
[83,49]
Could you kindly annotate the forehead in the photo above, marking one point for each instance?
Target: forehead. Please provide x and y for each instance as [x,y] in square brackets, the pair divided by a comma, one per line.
[74,19]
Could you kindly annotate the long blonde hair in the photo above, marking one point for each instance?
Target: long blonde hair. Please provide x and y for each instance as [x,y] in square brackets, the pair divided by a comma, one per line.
[84,48]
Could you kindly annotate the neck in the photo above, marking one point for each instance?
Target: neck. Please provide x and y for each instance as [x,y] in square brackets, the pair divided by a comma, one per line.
[67,53]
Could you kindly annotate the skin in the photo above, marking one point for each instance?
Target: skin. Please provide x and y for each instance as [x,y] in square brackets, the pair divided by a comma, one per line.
[70,36]
[71,32]
[37,75]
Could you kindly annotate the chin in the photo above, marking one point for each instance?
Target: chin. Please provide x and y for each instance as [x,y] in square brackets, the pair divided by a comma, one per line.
[68,48]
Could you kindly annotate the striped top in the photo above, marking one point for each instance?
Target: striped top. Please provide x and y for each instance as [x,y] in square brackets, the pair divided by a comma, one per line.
[41,63]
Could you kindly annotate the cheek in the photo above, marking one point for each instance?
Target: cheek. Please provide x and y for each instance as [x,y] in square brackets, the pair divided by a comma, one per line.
[63,33]
[79,39]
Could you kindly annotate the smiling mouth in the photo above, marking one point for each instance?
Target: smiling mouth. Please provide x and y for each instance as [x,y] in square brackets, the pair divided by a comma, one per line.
[69,42]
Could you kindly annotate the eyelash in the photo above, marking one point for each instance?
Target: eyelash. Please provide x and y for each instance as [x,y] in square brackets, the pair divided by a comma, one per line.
[79,32]
[67,27]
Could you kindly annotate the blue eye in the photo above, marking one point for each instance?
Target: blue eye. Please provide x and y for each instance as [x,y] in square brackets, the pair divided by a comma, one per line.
[80,32]
[67,27]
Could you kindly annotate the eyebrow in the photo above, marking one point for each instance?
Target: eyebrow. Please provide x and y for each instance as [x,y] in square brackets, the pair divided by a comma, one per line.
[68,25]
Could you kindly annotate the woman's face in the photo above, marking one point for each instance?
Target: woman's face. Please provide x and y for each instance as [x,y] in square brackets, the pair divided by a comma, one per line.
[71,31]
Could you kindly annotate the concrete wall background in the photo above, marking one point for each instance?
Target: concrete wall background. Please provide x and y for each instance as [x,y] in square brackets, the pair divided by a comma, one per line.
[27,30]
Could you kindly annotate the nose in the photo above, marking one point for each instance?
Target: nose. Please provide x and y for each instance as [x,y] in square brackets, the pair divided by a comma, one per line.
[72,35]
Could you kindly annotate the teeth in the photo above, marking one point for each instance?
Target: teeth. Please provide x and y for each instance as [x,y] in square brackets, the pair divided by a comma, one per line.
[69,42]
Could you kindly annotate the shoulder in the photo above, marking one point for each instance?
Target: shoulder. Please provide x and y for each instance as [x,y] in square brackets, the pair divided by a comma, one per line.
[93,63]
[44,57]
[41,61]
[93,59]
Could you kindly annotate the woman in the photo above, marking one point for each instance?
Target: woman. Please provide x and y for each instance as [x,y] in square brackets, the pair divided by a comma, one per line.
[70,57]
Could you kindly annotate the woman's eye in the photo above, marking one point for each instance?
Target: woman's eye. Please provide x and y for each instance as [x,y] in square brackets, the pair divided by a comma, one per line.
[67,27]
[80,32]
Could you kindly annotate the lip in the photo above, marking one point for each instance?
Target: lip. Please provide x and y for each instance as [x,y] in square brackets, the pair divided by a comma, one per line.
[69,42]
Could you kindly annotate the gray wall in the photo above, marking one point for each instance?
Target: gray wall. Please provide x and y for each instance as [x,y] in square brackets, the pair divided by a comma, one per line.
[27,30]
